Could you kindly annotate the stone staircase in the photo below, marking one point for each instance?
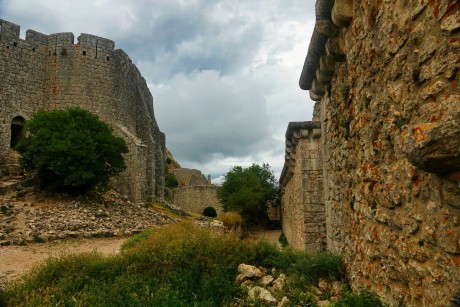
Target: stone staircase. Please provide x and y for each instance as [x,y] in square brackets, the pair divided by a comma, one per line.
[11,177]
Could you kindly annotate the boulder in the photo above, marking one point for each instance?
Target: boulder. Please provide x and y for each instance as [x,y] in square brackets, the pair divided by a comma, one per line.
[249,271]
[262,295]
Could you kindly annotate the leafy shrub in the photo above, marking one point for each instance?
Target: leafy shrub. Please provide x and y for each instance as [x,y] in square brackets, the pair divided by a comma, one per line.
[209,212]
[171,180]
[71,150]
[247,191]
[283,240]
[231,220]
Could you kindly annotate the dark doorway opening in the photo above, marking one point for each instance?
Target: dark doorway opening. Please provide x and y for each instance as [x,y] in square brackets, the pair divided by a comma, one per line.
[17,127]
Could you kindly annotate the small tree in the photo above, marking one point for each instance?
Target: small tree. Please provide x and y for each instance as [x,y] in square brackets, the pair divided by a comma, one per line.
[71,150]
[247,190]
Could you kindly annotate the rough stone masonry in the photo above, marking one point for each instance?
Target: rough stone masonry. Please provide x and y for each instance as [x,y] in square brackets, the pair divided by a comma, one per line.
[50,71]
[385,78]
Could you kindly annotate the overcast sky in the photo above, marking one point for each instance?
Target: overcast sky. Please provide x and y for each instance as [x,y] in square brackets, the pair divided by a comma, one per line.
[223,73]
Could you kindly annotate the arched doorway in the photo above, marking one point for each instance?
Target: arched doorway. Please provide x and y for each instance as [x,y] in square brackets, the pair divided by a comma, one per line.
[17,126]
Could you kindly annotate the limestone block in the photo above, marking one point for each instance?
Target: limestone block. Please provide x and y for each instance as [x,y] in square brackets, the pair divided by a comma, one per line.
[451,22]
[434,147]
[249,271]
[262,295]
[342,12]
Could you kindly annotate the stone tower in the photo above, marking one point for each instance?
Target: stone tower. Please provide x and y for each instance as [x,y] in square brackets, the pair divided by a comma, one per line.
[43,72]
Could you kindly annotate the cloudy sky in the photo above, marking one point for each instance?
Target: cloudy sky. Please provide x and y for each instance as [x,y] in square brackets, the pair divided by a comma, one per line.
[223,73]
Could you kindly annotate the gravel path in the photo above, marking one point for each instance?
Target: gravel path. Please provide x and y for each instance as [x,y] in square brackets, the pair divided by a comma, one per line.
[16,260]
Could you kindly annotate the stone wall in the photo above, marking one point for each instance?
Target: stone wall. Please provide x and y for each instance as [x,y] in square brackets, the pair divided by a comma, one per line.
[385,77]
[187,177]
[197,198]
[51,71]
[302,204]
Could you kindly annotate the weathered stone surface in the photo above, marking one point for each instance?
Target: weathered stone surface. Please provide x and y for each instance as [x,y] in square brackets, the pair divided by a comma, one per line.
[284,302]
[262,295]
[196,198]
[434,147]
[249,271]
[266,280]
[390,147]
[278,284]
[43,72]
[302,201]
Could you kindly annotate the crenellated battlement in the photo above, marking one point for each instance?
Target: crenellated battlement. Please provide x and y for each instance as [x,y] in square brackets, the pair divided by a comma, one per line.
[43,72]
[91,44]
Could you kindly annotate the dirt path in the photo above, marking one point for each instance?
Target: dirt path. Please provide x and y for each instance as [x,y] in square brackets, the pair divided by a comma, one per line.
[16,260]
[271,236]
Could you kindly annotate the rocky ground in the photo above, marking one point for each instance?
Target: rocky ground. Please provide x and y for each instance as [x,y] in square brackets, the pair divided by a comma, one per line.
[35,217]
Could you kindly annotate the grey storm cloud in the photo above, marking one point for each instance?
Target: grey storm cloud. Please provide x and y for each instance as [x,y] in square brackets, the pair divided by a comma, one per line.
[228,119]
[223,73]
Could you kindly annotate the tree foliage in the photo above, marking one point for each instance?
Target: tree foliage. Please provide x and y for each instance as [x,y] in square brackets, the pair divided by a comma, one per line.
[71,150]
[247,190]
[170,180]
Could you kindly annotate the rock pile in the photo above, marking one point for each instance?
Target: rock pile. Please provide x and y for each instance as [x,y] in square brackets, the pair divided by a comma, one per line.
[272,289]
[26,220]
[260,286]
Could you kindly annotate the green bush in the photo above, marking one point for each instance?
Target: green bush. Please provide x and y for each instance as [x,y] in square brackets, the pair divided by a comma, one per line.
[209,212]
[71,150]
[171,180]
[178,265]
[283,240]
[247,191]
[361,299]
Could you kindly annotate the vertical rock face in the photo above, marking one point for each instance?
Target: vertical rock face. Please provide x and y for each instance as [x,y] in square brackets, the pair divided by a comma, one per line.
[390,118]
[302,201]
[50,71]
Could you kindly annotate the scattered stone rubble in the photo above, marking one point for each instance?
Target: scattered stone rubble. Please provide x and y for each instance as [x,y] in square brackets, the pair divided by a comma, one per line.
[37,218]
[268,289]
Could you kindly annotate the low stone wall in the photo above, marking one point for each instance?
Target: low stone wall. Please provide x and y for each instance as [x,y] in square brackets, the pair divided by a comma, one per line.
[197,198]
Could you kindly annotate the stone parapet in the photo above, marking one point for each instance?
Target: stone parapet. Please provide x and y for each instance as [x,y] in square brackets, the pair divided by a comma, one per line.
[302,205]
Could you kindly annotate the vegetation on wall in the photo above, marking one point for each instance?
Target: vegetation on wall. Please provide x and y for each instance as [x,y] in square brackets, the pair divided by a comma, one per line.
[247,191]
[170,180]
[71,150]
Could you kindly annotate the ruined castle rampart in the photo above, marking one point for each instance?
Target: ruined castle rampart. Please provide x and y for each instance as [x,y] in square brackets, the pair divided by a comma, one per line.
[303,214]
[385,78]
[44,72]
[196,198]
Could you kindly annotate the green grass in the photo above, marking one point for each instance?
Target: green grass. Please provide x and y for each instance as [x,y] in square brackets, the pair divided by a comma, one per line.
[178,265]
[361,299]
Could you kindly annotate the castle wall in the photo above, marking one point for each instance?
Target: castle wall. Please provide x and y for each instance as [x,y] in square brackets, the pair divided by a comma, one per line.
[187,177]
[387,87]
[51,71]
[197,198]
[302,203]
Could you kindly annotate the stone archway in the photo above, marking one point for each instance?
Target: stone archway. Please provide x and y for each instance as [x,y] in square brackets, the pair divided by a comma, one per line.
[17,127]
